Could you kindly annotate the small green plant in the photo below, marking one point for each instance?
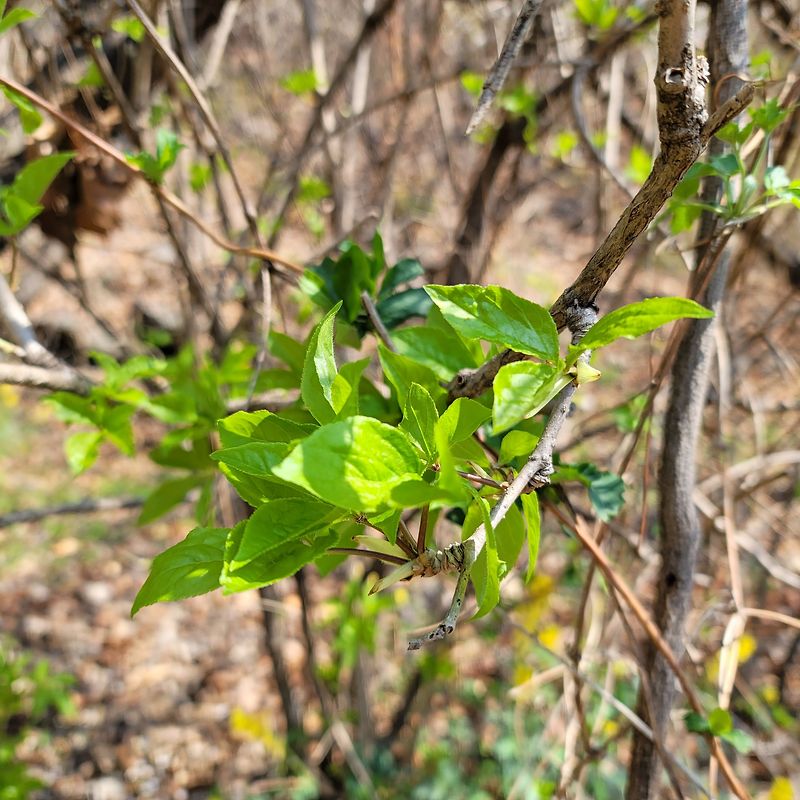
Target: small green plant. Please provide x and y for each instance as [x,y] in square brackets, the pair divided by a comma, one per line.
[28,693]
[747,191]
[344,463]
[155,167]
[20,202]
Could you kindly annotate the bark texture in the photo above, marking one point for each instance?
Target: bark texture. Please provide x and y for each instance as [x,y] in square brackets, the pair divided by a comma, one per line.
[680,527]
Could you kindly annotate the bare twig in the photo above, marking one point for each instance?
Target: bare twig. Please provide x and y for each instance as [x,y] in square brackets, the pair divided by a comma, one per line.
[499,72]
[87,506]
[168,197]
[377,322]
[55,379]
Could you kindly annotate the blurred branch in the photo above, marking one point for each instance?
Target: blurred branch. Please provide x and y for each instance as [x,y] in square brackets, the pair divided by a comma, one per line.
[168,197]
[81,507]
[499,72]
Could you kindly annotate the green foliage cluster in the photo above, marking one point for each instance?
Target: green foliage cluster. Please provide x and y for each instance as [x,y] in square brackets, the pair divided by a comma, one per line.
[747,191]
[29,692]
[345,460]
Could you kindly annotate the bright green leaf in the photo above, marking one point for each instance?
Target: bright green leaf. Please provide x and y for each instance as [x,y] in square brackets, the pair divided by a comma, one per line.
[516,444]
[462,418]
[521,389]
[276,525]
[533,520]
[352,464]
[82,450]
[15,17]
[498,315]
[30,118]
[300,82]
[639,318]
[271,567]
[401,372]
[420,418]
[319,371]
[189,568]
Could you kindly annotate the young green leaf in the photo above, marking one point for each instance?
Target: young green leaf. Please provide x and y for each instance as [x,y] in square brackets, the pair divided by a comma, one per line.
[521,389]
[274,526]
[498,315]
[321,393]
[420,418]
[166,496]
[33,179]
[352,464]
[82,450]
[15,17]
[30,118]
[486,570]
[638,318]
[254,458]
[270,567]
[461,419]
[516,444]
[187,569]
[533,520]
[401,372]
[439,349]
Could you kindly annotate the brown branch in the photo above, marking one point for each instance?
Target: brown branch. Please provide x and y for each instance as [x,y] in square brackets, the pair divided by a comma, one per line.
[167,196]
[81,507]
[680,539]
[499,71]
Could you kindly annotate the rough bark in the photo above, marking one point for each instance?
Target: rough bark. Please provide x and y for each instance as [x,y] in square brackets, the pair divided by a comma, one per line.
[680,529]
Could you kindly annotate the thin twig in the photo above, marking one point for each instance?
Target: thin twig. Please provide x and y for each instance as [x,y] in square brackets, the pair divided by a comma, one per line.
[90,505]
[377,322]
[168,197]
[499,72]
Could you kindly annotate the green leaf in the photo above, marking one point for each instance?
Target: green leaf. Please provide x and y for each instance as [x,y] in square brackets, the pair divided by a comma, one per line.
[638,318]
[92,77]
[521,389]
[497,315]
[270,567]
[276,525]
[129,26]
[402,372]
[289,350]
[741,741]
[769,116]
[419,420]
[440,349]
[462,418]
[472,82]
[487,567]
[189,568]
[726,165]
[516,444]
[352,464]
[254,458]
[418,492]
[300,82]
[402,272]
[318,387]
[82,450]
[696,723]
[607,495]
[19,213]
[166,496]
[720,721]
[311,189]
[533,520]
[29,116]
[15,17]
[403,306]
